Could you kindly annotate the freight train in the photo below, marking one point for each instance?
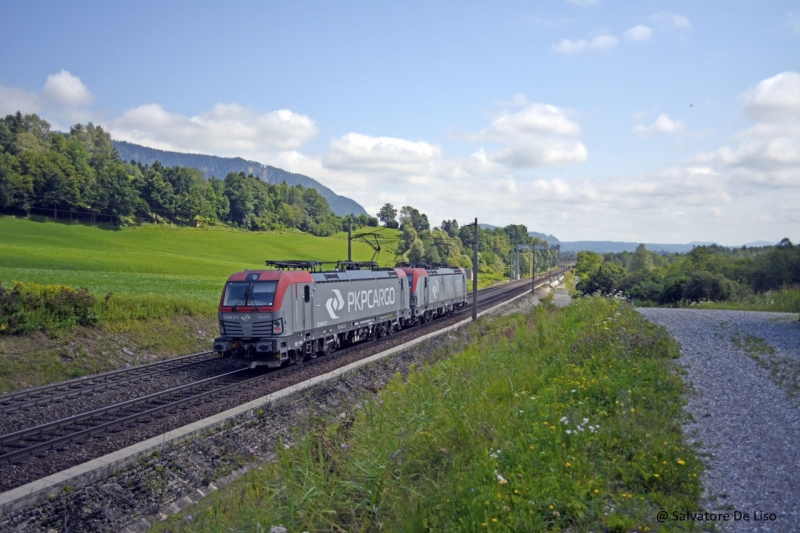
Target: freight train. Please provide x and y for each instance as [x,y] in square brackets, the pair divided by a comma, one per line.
[297,310]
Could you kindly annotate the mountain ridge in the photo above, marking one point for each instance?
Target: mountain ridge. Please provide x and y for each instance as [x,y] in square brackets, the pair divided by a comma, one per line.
[215,166]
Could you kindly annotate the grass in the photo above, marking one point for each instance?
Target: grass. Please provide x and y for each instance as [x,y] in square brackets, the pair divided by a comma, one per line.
[784,371]
[556,420]
[780,301]
[186,263]
[37,359]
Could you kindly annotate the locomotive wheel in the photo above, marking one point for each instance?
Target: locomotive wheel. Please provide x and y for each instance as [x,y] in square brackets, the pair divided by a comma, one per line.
[297,357]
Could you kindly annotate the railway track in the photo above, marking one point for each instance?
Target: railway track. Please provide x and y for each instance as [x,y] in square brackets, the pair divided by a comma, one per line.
[59,434]
[63,391]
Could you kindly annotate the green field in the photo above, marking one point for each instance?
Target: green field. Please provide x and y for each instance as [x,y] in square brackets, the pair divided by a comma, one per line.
[187,263]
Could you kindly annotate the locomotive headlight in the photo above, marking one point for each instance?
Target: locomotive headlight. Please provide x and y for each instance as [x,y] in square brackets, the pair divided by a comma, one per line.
[277,326]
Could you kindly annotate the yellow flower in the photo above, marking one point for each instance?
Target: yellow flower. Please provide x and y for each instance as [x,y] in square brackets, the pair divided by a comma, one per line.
[681,462]
[568,464]
[483,524]
[596,491]
[494,519]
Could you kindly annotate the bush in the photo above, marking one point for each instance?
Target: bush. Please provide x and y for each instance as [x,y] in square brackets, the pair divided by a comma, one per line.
[605,280]
[30,307]
[706,286]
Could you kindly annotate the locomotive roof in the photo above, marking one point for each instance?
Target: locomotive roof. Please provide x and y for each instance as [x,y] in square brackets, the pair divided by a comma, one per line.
[293,276]
[302,276]
[432,271]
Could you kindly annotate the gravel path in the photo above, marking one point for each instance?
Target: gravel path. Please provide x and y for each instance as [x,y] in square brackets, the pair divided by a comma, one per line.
[744,368]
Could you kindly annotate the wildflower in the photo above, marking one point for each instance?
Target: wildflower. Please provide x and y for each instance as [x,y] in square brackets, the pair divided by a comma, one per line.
[596,491]
[506,509]
[568,464]
[483,524]
[344,446]
[681,462]
[569,432]
[494,519]
[556,514]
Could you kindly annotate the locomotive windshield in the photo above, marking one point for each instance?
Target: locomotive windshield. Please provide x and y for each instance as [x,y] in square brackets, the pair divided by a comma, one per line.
[257,293]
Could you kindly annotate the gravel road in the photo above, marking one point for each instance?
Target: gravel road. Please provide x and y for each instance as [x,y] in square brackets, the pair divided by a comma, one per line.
[743,412]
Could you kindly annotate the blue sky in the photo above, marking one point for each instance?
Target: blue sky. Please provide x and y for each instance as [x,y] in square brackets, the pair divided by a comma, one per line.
[644,121]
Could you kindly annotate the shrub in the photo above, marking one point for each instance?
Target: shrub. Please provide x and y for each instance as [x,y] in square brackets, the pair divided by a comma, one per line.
[30,307]
[706,286]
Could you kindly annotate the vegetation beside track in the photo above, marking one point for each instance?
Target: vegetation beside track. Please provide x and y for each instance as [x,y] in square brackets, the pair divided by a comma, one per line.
[559,419]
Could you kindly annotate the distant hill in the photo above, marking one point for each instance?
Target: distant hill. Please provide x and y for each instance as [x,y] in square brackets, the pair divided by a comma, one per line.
[547,238]
[759,244]
[213,166]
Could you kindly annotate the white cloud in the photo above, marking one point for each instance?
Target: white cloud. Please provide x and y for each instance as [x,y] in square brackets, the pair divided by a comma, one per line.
[666,20]
[662,124]
[229,130]
[776,98]
[66,90]
[767,154]
[63,97]
[13,100]
[536,135]
[640,32]
[569,47]
[389,155]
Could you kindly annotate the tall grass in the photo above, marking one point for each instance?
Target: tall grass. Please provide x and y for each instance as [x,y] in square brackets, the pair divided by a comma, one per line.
[781,301]
[564,420]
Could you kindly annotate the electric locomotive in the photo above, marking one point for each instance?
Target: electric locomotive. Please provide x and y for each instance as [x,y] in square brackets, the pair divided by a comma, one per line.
[297,310]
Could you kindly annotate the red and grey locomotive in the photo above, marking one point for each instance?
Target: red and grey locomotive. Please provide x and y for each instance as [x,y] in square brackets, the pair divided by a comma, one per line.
[297,310]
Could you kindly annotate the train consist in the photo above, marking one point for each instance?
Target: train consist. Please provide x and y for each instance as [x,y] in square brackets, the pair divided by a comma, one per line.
[297,310]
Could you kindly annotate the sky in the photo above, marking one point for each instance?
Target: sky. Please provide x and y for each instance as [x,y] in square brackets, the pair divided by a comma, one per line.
[645,121]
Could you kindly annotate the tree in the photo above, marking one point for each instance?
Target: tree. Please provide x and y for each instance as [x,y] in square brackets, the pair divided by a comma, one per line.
[605,279]
[450,227]
[517,234]
[387,213]
[642,260]
[587,263]
[418,220]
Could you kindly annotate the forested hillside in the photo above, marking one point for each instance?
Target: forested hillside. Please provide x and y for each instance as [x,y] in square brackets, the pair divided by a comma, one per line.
[215,167]
[80,175]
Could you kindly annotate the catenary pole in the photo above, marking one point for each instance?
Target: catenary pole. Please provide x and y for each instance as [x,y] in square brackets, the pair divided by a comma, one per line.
[349,239]
[475,273]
